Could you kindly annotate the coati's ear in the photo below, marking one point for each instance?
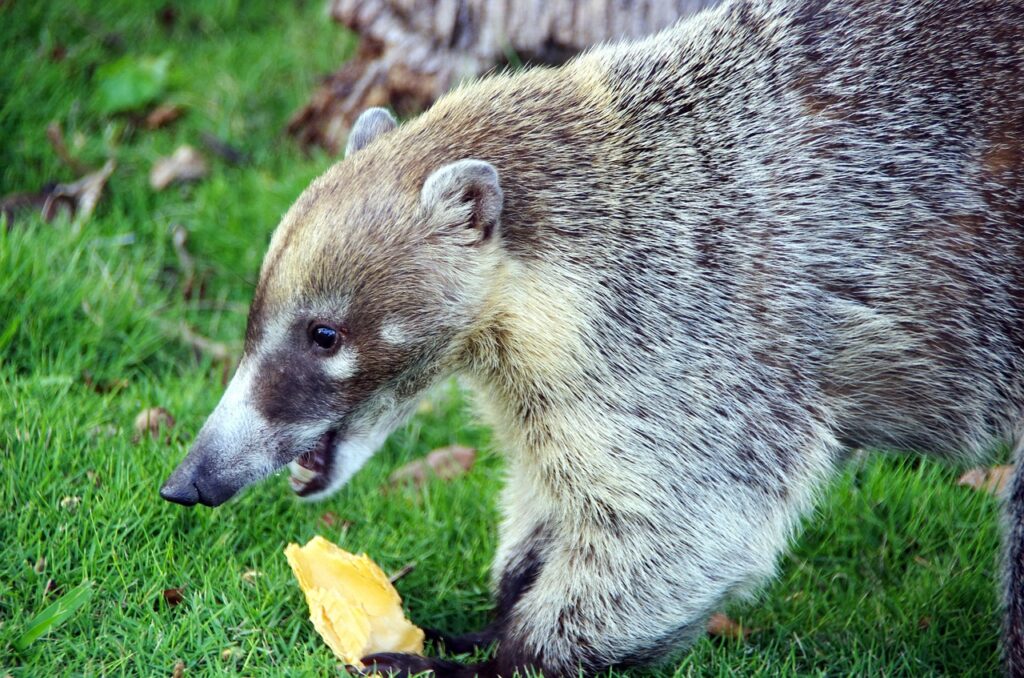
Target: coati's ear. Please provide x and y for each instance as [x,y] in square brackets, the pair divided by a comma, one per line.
[465,195]
[370,124]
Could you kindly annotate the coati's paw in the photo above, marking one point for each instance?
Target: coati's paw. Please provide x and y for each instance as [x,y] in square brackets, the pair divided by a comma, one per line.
[402,665]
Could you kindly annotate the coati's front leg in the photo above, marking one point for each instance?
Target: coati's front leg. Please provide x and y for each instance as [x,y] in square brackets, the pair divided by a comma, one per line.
[624,571]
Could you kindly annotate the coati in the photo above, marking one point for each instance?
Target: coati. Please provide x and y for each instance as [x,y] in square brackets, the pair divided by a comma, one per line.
[685,276]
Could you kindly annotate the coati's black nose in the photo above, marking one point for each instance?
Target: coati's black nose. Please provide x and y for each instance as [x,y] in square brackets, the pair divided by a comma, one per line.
[186,494]
[193,482]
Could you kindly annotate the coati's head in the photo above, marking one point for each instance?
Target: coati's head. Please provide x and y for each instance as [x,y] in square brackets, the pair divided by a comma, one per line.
[370,282]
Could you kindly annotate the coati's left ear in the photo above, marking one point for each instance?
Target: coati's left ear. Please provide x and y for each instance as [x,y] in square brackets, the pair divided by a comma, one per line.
[466,196]
[371,123]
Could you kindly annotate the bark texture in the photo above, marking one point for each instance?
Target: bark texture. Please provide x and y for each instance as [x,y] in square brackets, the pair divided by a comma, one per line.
[411,51]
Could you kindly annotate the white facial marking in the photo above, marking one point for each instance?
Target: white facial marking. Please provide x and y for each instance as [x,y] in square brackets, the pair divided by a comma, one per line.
[394,333]
[342,364]
[275,335]
[236,423]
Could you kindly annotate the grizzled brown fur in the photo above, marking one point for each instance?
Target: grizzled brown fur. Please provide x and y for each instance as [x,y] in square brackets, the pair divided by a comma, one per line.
[685,277]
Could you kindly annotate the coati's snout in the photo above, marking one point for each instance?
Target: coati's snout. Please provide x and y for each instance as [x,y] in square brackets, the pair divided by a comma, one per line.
[370,282]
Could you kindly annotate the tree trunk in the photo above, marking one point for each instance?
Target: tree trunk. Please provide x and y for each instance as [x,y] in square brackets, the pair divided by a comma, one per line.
[412,51]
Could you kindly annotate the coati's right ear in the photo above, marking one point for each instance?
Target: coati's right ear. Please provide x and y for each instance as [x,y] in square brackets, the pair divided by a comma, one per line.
[464,196]
[371,123]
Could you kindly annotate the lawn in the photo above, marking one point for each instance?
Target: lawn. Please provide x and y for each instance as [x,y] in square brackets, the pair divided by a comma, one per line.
[894,575]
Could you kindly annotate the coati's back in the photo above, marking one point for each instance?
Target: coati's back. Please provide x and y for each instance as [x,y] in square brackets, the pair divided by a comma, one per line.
[847,183]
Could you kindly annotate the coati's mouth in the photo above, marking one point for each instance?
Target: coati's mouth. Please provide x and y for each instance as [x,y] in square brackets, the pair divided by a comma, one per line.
[311,472]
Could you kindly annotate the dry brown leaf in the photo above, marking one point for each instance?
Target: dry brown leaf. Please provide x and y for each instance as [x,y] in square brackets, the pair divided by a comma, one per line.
[15,204]
[721,626]
[170,598]
[40,565]
[217,351]
[331,519]
[163,115]
[179,669]
[185,164]
[444,463]
[149,422]
[224,150]
[992,480]
[56,137]
[78,198]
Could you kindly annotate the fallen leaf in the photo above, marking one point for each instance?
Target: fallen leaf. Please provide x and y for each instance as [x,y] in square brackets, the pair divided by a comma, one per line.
[56,136]
[149,422]
[179,240]
[217,351]
[167,16]
[185,164]
[444,463]
[40,565]
[130,83]
[77,200]
[179,669]
[721,626]
[223,149]
[15,203]
[93,477]
[163,115]
[992,480]
[329,519]
[228,653]
[924,623]
[249,576]
[170,598]
[70,503]
[79,197]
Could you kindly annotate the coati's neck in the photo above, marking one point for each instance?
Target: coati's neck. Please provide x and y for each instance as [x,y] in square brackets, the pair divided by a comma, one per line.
[526,355]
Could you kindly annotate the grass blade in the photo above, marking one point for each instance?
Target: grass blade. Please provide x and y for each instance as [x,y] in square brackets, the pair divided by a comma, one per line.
[55,614]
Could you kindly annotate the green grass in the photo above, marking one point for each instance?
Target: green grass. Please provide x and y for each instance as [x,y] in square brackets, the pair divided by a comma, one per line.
[895,575]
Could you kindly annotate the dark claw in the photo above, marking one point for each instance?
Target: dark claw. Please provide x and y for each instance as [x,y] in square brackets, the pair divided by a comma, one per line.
[404,665]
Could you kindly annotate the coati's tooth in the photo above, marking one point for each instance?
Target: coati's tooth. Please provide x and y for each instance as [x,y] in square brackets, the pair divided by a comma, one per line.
[301,473]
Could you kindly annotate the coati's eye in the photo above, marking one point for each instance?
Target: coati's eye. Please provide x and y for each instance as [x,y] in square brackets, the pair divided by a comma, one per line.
[324,336]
